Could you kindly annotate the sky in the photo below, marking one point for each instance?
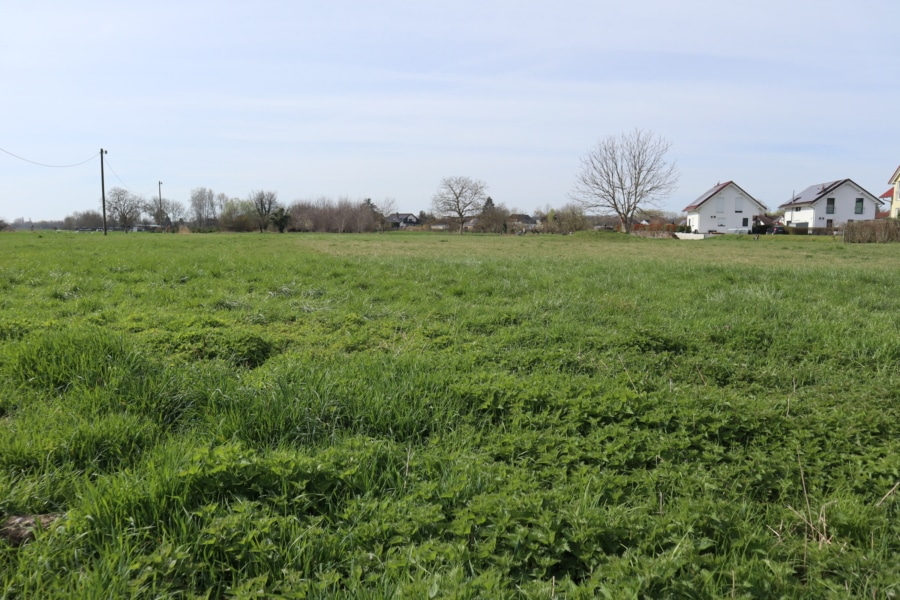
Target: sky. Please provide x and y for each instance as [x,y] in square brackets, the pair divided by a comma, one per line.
[383,99]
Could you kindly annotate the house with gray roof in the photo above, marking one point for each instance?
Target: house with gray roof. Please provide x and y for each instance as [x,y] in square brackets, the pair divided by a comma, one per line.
[724,208]
[829,205]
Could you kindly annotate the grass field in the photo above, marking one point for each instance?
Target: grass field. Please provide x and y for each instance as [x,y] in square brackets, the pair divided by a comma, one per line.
[443,416]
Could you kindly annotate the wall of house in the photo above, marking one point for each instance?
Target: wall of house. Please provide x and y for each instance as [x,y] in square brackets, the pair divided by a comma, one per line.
[724,212]
[895,201]
[845,197]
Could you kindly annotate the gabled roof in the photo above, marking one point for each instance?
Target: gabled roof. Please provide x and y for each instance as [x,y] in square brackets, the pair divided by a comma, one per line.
[895,177]
[888,194]
[715,190]
[816,192]
[526,219]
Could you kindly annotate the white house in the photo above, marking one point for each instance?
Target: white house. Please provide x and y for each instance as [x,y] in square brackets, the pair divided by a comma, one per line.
[830,204]
[895,200]
[724,208]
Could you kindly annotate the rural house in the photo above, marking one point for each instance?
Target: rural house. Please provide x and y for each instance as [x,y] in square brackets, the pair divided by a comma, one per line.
[895,199]
[830,204]
[402,220]
[722,209]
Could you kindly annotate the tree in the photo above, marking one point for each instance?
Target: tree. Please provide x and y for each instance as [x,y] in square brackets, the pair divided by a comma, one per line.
[459,198]
[203,206]
[625,173]
[164,212]
[280,219]
[383,211]
[124,207]
[264,203]
[238,215]
[493,217]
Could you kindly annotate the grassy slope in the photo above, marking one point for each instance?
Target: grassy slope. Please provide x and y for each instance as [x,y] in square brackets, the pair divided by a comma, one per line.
[459,416]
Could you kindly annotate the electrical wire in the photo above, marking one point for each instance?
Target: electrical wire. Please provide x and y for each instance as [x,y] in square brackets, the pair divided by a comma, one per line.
[45,165]
[124,185]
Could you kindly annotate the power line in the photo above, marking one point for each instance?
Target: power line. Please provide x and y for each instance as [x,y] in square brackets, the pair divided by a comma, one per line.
[45,165]
[124,185]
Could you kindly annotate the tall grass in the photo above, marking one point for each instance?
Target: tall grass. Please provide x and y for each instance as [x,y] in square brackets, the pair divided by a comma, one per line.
[449,416]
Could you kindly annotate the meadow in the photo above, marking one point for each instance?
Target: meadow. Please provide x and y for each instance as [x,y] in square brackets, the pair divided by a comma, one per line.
[413,415]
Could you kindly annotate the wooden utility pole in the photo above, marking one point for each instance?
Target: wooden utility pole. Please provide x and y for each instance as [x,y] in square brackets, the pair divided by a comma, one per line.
[103,189]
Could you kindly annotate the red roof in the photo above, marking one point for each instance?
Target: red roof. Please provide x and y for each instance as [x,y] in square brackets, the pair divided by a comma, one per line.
[888,194]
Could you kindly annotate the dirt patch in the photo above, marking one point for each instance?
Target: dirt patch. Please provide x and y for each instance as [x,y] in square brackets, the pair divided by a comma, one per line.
[19,529]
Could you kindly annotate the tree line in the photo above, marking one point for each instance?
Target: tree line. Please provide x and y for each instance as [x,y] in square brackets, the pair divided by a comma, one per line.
[622,176]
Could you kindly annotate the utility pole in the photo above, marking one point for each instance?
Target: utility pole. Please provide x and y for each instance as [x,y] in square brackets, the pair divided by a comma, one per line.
[159,211]
[103,189]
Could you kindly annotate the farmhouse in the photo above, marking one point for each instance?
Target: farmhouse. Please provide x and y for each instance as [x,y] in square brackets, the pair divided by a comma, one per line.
[895,199]
[723,208]
[830,204]
[402,220]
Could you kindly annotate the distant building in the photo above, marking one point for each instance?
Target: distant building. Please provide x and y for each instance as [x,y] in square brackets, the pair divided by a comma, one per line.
[829,205]
[402,220]
[724,208]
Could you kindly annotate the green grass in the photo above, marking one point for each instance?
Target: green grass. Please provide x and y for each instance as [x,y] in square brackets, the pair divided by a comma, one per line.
[427,415]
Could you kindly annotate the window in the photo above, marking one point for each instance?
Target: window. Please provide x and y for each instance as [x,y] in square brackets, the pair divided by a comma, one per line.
[720,205]
[859,206]
[745,222]
[739,204]
[829,206]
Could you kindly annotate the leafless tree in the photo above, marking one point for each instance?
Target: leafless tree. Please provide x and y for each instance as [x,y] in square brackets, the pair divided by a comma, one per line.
[124,207]
[383,210]
[203,206]
[625,173]
[459,198]
[570,218]
[164,212]
[264,203]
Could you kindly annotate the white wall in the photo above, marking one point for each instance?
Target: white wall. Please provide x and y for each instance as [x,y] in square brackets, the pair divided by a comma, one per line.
[845,196]
[720,213]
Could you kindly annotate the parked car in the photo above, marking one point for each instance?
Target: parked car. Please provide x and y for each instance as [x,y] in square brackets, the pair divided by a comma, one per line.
[776,230]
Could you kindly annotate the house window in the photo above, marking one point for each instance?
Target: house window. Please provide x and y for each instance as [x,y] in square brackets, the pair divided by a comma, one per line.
[796,209]
[720,205]
[829,206]
[745,222]
[829,223]
[739,204]
[859,206]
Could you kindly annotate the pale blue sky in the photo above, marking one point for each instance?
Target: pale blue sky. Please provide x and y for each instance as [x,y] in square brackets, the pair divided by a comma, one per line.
[383,99]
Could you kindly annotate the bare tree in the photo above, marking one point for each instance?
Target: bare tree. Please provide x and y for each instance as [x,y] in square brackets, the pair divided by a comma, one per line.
[459,198]
[625,173]
[264,202]
[124,207]
[164,212]
[383,211]
[203,206]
